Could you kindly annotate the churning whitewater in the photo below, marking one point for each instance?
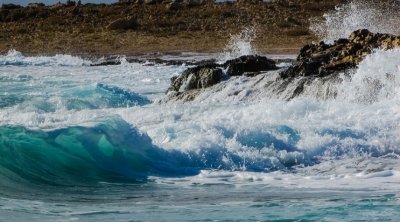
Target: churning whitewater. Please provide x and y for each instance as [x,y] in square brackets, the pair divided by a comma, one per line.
[63,120]
[64,123]
[82,142]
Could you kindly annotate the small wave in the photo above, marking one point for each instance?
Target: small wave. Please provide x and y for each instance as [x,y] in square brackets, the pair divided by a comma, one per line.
[111,151]
[131,98]
[75,98]
[15,58]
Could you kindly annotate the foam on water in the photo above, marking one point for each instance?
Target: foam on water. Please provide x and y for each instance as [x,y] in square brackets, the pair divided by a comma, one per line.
[102,130]
[245,131]
[15,58]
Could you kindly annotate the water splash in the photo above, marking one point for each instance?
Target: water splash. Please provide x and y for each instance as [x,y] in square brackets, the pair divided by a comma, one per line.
[373,81]
[240,44]
[376,16]
[16,58]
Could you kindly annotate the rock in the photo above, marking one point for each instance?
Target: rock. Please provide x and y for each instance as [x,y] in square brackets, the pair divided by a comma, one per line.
[324,59]
[123,24]
[249,63]
[196,78]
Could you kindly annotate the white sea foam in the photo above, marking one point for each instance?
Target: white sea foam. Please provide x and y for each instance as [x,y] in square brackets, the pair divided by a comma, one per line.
[377,79]
[242,120]
[15,58]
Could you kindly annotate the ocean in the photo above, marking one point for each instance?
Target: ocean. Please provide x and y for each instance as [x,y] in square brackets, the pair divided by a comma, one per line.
[100,143]
[84,143]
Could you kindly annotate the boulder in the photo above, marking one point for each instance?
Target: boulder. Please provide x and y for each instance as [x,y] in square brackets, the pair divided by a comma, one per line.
[324,59]
[123,24]
[249,64]
[196,78]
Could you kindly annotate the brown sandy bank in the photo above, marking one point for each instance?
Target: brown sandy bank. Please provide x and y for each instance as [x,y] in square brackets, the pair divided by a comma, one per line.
[149,26]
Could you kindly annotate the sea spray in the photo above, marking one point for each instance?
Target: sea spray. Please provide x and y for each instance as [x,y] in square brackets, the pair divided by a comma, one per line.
[240,44]
[376,16]
[377,79]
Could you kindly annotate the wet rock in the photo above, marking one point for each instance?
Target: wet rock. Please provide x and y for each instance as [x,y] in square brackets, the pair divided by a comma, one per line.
[107,63]
[196,78]
[249,64]
[324,59]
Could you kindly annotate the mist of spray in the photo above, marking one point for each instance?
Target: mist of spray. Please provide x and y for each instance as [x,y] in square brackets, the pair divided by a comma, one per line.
[240,44]
[376,16]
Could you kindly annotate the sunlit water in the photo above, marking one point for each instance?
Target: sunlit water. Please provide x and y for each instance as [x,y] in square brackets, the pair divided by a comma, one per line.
[82,143]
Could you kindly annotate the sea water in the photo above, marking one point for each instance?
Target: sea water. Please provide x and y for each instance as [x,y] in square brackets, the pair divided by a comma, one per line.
[85,143]
[97,143]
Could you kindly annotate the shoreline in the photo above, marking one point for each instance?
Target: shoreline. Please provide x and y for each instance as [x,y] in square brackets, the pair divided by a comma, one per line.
[157,54]
[278,27]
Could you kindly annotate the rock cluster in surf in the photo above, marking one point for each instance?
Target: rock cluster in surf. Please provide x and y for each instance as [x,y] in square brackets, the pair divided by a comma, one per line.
[206,75]
[315,61]
[324,59]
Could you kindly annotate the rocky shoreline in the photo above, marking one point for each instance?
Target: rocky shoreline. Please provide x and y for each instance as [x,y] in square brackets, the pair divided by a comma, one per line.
[317,67]
[157,26]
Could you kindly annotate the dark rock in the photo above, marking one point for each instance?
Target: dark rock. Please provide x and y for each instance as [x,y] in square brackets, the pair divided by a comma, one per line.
[196,78]
[249,63]
[107,63]
[324,59]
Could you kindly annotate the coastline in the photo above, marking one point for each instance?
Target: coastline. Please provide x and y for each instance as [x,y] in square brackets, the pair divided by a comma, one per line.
[140,28]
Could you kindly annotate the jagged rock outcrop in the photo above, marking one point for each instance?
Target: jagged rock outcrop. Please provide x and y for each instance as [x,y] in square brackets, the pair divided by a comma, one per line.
[324,59]
[249,64]
[196,78]
[186,86]
[315,72]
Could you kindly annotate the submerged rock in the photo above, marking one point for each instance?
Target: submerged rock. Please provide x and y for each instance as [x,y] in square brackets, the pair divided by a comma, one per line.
[324,59]
[249,64]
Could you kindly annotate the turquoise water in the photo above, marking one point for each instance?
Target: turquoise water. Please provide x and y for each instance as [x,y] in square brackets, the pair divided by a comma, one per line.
[82,143]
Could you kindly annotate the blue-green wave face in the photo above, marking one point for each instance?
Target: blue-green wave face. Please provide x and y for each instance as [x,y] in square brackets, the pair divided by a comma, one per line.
[109,151]
[73,98]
